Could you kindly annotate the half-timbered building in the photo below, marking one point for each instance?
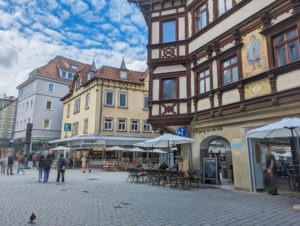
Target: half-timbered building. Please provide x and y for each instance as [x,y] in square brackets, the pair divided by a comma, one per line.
[220,68]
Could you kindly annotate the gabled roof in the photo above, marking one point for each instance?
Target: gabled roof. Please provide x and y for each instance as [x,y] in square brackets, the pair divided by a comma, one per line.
[113,73]
[51,69]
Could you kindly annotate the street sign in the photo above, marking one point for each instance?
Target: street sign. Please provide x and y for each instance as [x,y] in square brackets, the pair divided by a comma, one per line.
[67,127]
[181,132]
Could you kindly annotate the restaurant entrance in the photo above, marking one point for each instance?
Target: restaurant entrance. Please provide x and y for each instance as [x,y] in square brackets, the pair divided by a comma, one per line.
[218,147]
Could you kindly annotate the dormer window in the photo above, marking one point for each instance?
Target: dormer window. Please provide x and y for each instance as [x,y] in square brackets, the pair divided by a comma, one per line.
[64,74]
[70,75]
[123,75]
[73,66]
[91,75]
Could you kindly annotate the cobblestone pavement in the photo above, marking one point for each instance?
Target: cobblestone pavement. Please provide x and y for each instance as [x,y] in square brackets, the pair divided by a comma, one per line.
[105,198]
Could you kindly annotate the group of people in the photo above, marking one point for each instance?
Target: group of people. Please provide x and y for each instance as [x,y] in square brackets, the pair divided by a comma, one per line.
[7,163]
[44,166]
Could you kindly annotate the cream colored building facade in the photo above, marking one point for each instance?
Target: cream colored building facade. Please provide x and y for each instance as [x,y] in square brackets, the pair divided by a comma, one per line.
[231,66]
[100,102]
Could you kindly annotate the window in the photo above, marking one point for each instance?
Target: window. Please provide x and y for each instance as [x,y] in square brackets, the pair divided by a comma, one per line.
[200,18]
[134,125]
[224,6]
[109,98]
[49,105]
[27,105]
[169,89]
[73,66]
[75,128]
[31,103]
[123,100]
[230,72]
[204,81]
[123,75]
[68,109]
[146,127]
[70,75]
[108,124]
[169,31]
[86,124]
[63,74]
[91,75]
[122,125]
[50,87]
[286,47]
[46,124]
[77,106]
[87,101]
[146,102]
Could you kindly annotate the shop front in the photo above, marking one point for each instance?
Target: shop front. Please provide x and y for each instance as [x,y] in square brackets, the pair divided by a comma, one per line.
[96,149]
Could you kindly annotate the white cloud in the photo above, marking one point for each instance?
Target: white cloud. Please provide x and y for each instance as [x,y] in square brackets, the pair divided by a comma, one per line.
[52,4]
[79,7]
[31,35]
[106,26]
[98,4]
[5,19]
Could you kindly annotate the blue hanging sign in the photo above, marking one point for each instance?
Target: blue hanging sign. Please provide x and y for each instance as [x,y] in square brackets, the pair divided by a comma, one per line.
[181,132]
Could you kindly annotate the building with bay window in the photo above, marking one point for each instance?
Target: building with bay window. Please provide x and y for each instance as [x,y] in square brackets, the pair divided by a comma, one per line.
[39,102]
[220,68]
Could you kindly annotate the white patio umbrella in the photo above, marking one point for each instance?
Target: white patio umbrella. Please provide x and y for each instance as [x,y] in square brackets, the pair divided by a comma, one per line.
[168,140]
[136,149]
[116,148]
[61,148]
[288,127]
[159,151]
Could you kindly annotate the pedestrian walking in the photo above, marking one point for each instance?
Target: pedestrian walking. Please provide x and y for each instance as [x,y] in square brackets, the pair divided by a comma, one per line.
[41,166]
[20,164]
[3,162]
[270,174]
[34,160]
[47,167]
[61,167]
[10,164]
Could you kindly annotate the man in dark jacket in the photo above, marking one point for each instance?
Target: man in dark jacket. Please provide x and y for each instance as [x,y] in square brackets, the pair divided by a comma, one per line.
[10,164]
[61,167]
[41,166]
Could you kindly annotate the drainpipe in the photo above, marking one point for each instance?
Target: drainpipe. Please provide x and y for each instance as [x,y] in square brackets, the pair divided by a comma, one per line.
[101,107]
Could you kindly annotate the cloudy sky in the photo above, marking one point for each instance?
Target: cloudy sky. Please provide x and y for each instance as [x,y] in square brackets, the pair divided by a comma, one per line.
[34,31]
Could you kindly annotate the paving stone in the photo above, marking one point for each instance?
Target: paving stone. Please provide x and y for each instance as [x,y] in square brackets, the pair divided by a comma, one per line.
[105,198]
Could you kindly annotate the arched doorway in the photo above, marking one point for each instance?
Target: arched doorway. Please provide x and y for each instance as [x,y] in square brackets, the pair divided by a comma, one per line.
[220,148]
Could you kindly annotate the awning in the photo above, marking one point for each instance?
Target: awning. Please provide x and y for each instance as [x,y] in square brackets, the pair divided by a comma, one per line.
[103,139]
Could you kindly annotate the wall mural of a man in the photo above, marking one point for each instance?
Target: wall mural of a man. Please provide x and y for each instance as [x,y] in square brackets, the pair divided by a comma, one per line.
[253,52]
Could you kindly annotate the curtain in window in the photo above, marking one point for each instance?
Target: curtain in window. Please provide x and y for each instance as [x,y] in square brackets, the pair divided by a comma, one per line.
[281,56]
[293,50]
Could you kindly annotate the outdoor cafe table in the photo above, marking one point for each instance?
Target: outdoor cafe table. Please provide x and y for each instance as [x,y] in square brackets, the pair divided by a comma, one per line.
[169,177]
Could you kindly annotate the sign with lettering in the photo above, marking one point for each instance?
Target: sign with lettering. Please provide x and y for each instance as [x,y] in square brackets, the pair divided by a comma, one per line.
[237,142]
[181,132]
[67,127]
[207,130]
[210,169]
